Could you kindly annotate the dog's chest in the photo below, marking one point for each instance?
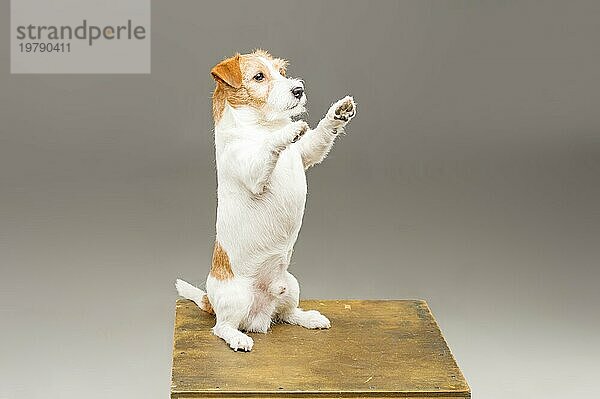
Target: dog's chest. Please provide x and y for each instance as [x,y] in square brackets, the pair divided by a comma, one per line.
[288,182]
[285,198]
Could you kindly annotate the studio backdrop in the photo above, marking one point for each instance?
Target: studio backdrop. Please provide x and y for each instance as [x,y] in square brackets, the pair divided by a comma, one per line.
[469,178]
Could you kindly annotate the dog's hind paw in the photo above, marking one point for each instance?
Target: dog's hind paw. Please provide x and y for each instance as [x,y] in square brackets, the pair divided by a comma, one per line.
[311,319]
[241,342]
[237,340]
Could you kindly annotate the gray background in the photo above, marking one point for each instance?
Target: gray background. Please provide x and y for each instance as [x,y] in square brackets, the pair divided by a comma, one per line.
[469,178]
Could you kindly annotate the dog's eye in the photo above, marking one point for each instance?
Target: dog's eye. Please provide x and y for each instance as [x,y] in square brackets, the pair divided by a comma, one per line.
[282,72]
[259,77]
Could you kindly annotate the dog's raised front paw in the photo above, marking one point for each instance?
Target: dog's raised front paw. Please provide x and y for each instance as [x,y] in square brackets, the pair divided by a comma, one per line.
[299,128]
[343,110]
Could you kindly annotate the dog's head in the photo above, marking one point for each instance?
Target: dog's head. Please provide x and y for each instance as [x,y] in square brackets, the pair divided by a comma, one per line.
[257,81]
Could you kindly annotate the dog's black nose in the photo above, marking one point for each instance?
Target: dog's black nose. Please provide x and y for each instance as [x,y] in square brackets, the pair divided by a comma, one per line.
[298,92]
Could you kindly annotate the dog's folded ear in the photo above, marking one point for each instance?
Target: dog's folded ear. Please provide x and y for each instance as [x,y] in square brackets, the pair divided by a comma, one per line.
[228,71]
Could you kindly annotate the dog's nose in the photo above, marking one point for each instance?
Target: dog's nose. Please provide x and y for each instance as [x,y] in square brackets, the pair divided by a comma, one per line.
[298,92]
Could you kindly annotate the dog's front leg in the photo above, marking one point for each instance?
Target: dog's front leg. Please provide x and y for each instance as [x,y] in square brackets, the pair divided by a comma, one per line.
[316,144]
[255,166]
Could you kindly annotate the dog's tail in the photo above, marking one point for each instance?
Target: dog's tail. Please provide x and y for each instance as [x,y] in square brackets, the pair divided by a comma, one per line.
[195,294]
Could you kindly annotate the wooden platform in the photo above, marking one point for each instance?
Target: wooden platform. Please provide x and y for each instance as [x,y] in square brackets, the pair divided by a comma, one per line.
[373,349]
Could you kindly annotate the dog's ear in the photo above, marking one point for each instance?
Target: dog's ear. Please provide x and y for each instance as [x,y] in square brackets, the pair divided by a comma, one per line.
[228,71]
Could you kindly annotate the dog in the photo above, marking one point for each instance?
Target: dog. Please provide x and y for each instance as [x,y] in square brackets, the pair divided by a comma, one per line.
[261,155]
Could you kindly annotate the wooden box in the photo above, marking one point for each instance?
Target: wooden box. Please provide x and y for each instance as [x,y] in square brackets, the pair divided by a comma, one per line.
[374,349]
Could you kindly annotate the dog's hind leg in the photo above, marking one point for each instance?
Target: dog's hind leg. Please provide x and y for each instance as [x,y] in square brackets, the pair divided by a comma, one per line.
[289,312]
[231,300]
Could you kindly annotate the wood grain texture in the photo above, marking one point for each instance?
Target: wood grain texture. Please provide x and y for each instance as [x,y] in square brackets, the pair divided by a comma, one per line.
[373,349]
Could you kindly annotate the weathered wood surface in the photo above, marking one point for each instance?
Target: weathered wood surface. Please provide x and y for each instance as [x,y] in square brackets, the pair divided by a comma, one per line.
[373,349]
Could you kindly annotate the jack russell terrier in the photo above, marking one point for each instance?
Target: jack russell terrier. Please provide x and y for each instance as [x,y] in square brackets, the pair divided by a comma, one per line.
[262,156]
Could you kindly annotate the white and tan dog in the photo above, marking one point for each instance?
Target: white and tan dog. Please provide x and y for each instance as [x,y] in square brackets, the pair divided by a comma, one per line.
[261,158]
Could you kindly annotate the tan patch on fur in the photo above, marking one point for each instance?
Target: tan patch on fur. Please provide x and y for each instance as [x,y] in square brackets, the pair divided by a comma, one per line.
[220,268]
[205,305]
[234,78]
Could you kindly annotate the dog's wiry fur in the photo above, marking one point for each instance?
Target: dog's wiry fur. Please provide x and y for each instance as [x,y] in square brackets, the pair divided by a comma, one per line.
[261,158]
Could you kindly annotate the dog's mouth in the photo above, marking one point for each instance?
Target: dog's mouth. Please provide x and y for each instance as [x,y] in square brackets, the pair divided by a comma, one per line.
[298,103]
